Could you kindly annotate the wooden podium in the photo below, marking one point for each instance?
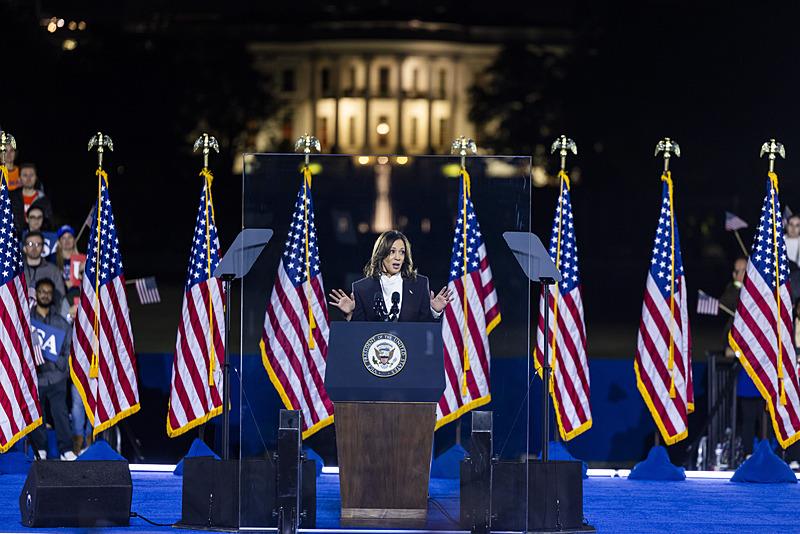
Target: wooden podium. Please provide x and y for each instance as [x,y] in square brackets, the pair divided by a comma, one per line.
[384,424]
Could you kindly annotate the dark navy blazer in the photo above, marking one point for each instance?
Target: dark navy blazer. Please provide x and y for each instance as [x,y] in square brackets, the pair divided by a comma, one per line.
[415,307]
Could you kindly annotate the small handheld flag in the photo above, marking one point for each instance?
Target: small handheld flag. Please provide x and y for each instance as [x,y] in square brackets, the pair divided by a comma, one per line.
[706,304]
[733,222]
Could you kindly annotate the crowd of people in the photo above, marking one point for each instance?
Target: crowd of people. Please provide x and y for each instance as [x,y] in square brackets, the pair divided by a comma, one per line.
[52,266]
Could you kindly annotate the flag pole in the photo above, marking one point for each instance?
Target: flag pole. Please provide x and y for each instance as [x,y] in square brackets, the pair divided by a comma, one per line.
[209,143]
[98,141]
[564,145]
[774,149]
[464,146]
[669,147]
[741,243]
[306,144]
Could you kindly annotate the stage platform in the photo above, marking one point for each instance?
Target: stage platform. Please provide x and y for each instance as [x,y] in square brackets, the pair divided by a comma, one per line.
[612,504]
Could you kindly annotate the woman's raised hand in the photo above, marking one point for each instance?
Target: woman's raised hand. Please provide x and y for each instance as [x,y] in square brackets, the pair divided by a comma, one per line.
[341,300]
[439,301]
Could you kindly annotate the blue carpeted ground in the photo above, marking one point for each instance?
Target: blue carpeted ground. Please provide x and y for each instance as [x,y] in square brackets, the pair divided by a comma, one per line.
[611,504]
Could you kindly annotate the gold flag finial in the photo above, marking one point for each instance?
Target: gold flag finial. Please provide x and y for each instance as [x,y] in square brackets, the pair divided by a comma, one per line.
[668,147]
[6,141]
[207,143]
[564,145]
[463,146]
[773,149]
[307,144]
[100,140]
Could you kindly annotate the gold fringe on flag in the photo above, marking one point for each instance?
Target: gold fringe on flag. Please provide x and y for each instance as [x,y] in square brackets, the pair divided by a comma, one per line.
[312,323]
[773,178]
[209,206]
[465,182]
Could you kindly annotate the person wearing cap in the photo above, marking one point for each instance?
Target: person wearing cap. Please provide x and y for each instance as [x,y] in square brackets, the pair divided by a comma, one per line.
[66,248]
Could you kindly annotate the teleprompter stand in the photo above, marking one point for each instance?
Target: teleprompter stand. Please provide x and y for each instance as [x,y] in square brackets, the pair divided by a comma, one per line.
[531,495]
[217,494]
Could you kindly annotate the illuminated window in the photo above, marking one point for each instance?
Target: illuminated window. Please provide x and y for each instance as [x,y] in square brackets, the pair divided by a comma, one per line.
[351,133]
[383,131]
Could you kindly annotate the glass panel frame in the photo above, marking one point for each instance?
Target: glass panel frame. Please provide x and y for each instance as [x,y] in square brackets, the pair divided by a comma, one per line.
[355,198]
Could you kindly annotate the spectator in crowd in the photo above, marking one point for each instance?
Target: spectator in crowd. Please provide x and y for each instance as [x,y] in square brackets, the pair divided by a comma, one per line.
[27,195]
[66,248]
[52,377]
[750,400]
[36,269]
[35,221]
[13,170]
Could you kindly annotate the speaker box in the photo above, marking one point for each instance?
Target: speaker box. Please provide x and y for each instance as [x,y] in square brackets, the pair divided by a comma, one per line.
[76,494]
[211,493]
[555,495]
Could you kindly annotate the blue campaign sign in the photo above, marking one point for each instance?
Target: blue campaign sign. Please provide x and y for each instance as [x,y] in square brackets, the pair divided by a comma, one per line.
[50,339]
[50,243]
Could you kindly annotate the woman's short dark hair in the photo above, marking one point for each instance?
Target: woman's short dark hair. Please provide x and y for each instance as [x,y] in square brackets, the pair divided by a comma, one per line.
[382,248]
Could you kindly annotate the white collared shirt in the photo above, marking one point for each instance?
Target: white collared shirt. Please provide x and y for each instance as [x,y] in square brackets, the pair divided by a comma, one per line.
[394,283]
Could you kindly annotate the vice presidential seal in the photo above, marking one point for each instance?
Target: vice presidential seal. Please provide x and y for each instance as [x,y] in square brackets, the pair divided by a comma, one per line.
[384,355]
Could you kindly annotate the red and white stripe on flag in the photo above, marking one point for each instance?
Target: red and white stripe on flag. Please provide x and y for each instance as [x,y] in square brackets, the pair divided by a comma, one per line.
[103,362]
[19,394]
[467,383]
[294,343]
[761,335]
[196,388]
[566,332]
[663,349]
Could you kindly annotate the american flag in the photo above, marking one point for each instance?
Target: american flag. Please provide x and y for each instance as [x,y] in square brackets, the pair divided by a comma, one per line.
[663,353]
[19,396]
[469,318]
[733,222]
[147,289]
[196,389]
[103,362]
[706,304]
[294,343]
[762,342]
[567,345]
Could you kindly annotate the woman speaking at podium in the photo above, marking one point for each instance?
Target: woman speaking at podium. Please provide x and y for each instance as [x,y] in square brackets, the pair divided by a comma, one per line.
[391,289]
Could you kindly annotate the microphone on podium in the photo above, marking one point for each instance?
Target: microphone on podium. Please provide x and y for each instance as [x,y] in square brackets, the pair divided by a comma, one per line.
[395,306]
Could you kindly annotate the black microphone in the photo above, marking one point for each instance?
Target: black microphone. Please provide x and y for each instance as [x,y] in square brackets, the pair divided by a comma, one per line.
[395,308]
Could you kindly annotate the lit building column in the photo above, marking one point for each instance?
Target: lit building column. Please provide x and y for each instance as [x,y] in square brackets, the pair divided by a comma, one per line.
[399,145]
[313,96]
[367,96]
[430,105]
[337,93]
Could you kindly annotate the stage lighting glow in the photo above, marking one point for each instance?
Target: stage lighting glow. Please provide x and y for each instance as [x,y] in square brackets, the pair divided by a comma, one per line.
[81,25]
[51,27]
[363,160]
[402,160]
[60,23]
[72,25]
[382,129]
[69,44]
[383,160]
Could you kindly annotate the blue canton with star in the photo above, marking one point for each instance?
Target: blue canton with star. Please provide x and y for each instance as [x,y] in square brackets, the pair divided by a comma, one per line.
[294,253]
[10,252]
[199,270]
[763,255]
[109,263]
[661,261]
[474,240]
[568,261]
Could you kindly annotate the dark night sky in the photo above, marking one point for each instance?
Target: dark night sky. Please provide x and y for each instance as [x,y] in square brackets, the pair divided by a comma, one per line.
[721,79]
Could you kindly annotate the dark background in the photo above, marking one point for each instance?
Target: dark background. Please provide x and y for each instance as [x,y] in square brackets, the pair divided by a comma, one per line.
[720,78]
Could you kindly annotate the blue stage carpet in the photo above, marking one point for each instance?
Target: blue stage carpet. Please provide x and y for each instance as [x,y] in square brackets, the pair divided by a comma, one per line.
[611,505]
